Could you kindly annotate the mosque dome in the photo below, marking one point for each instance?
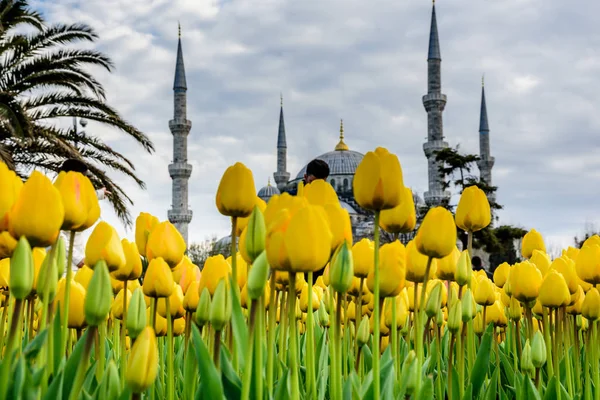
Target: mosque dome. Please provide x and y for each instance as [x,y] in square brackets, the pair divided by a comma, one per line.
[266,192]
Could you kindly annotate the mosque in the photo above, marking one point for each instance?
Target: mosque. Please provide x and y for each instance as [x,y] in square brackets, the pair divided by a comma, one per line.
[342,160]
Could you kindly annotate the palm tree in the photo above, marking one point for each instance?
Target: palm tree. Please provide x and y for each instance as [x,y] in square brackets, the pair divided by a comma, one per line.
[44,80]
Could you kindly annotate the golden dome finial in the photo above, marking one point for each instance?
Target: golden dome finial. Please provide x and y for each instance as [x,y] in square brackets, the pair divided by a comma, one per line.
[341,146]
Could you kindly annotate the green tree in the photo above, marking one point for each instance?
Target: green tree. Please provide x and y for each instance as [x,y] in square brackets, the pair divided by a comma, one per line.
[199,252]
[43,80]
[589,230]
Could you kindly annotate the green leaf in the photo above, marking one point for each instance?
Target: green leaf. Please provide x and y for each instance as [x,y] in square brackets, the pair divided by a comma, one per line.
[55,390]
[492,389]
[240,330]
[33,348]
[281,391]
[426,389]
[210,381]
[190,373]
[57,337]
[509,372]
[530,391]
[18,378]
[551,389]
[232,385]
[72,364]
[480,368]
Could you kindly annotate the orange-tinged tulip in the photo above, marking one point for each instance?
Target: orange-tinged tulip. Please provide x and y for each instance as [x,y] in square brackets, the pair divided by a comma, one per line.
[501,274]
[7,245]
[541,261]
[392,270]
[158,281]
[144,224]
[416,263]
[166,242]
[339,224]
[437,234]
[363,255]
[76,302]
[403,217]
[142,364]
[236,194]
[554,291]
[525,281]
[242,223]
[38,212]
[588,264]
[532,241]
[319,192]
[104,244]
[308,240]
[79,200]
[446,267]
[132,269]
[473,211]
[175,304]
[378,181]
[10,186]
[215,269]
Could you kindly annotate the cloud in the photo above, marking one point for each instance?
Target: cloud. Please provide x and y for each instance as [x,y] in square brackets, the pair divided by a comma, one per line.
[364,62]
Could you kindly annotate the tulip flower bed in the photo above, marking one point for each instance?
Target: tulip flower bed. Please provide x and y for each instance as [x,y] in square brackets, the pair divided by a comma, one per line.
[139,320]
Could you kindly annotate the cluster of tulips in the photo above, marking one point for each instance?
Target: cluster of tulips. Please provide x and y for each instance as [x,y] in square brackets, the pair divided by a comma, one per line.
[139,319]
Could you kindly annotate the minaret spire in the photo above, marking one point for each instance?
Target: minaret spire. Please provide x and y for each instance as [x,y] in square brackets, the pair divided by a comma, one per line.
[281,175]
[486,162]
[341,146]
[434,102]
[179,170]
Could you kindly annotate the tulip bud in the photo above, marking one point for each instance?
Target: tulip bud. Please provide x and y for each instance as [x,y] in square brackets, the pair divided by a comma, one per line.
[468,306]
[463,269]
[411,368]
[256,234]
[142,365]
[48,278]
[478,325]
[341,269]
[323,316]
[203,309]
[259,273]
[110,387]
[61,256]
[514,309]
[434,300]
[99,295]
[538,350]
[364,333]
[21,270]
[526,359]
[455,317]
[220,308]
[136,314]
[192,297]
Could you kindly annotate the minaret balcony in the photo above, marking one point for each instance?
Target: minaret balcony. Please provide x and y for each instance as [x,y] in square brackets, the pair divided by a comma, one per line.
[180,216]
[436,197]
[180,170]
[281,177]
[430,147]
[434,100]
[180,126]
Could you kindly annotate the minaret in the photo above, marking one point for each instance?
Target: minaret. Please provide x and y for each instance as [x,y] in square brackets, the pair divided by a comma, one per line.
[434,102]
[180,171]
[486,161]
[281,175]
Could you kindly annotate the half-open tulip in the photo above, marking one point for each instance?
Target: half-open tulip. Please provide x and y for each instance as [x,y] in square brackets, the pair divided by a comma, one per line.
[378,181]
[446,267]
[554,291]
[132,269]
[215,269]
[339,224]
[473,210]
[320,192]
[437,234]
[236,194]
[76,303]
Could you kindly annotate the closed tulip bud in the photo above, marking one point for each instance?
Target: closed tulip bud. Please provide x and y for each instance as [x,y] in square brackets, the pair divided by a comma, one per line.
[144,224]
[514,309]
[10,187]
[308,240]
[166,242]
[541,261]
[590,308]
[175,304]
[341,269]
[132,268]
[437,234]
[473,211]
[363,334]
[236,193]
[215,269]
[136,314]
[410,368]
[566,267]
[362,254]
[61,256]
[403,217]
[256,234]
[392,270]
[48,278]
[554,291]
[525,281]
[142,364]
[446,267]
[455,317]
[464,270]
[532,241]
[495,314]
[323,316]
[192,297]
[203,310]
[378,181]
[501,274]
[485,293]
[79,200]
[538,350]
[7,245]
[468,306]
[434,300]
[158,281]
[220,307]
[38,212]
[416,264]
[526,358]
[21,270]
[104,244]
[76,303]
[99,295]
[257,277]
[110,387]
[587,264]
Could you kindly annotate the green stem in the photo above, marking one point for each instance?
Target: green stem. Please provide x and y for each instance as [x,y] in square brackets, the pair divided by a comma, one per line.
[236,289]
[450,371]
[311,389]
[440,390]
[83,365]
[65,310]
[258,343]
[293,346]
[567,346]
[170,372]
[4,318]
[394,335]
[123,358]
[247,377]
[461,361]
[358,316]
[338,346]
[546,325]
[101,361]
[376,327]
[419,325]
[13,333]
[577,355]
[153,313]
[217,349]
[271,333]
[470,243]
[594,327]
[588,362]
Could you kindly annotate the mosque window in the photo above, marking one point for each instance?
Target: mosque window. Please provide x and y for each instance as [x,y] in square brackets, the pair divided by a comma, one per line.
[333,183]
[345,185]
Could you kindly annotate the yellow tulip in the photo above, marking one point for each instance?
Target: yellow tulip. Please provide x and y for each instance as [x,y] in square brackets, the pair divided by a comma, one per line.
[594,239]
[38,258]
[315,298]
[76,302]
[473,211]
[166,242]
[192,297]
[566,267]
[185,273]
[132,268]
[403,217]
[378,181]
[575,309]
[541,261]
[116,308]
[83,276]
[501,274]
[416,263]
[554,291]
[485,293]
[339,224]
[104,244]
[525,281]
[142,364]
[38,212]
[571,252]
[588,264]
[437,234]
[79,201]
[175,304]
[591,305]
[320,192]
[236,194]
[363,255]
[495,314]
[243,222]
[215,269]
[144,224]
[308,240]
[4,272]
[446,267]
[532,241]
[280,202]
[158,281]
[10,186]
[242,269]
[392,270]
[7,245]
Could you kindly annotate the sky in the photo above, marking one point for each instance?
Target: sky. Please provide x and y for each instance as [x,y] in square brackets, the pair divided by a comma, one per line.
[363,62]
